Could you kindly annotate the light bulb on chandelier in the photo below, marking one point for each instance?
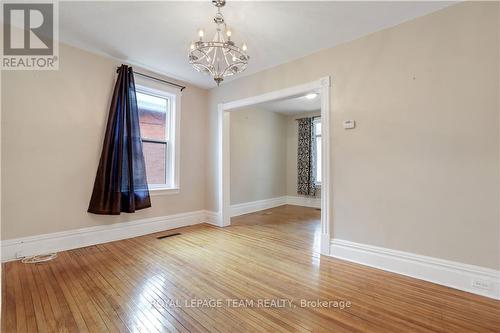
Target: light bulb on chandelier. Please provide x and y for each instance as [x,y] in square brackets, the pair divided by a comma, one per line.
[218,57]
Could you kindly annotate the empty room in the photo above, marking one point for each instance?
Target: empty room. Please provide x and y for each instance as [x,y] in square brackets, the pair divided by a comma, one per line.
[250,166]
[275,167]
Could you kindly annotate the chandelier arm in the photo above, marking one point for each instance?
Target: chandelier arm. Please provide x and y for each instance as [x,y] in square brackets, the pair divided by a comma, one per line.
[214,58]
[236,49]
[233,54]
[234,65]
[205,54]
[212,45]
[210,70]
[225,58]
[221,49]
[209,46]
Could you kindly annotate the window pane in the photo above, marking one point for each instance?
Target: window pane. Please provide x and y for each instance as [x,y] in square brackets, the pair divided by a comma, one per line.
[155,158]
[318,160]
[317,128]
[152,116]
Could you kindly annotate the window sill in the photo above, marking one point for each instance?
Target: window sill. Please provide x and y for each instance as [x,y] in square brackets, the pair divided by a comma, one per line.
[163,191]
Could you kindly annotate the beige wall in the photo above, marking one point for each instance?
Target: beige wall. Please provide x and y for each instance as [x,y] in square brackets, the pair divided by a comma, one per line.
[263,154]
[420,173]
[52,131]
[292,143]
[257,155]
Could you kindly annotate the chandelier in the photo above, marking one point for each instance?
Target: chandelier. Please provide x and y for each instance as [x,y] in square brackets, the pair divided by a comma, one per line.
[218,57]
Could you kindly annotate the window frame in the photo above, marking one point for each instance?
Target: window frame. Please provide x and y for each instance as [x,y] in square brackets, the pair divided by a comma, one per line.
[317,120]
[172,153]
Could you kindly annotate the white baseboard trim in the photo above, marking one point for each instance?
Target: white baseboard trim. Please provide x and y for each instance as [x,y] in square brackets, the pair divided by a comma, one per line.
[470,278]
[213,218]
[13,249]
[304,201]
[255,206]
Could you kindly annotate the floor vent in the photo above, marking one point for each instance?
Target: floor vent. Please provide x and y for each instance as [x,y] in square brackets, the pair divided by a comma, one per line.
[165,236]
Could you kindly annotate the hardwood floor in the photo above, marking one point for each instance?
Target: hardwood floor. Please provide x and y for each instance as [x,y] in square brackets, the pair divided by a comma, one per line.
[147,284]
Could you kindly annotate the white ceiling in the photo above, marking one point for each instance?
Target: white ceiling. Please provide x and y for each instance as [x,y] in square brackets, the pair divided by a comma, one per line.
[291,106]
[157,35]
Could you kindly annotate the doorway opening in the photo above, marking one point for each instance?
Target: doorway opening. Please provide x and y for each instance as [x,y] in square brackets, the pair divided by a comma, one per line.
[321,90]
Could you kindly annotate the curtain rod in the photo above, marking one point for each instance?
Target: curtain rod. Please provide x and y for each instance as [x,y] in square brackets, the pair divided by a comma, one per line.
[297,119]
[157,79]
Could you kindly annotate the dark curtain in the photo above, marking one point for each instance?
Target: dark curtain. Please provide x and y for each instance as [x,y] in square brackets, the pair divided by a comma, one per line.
[306,158]
[120,183]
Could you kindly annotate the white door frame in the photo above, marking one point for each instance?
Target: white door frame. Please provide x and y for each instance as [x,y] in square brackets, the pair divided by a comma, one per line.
[321,86]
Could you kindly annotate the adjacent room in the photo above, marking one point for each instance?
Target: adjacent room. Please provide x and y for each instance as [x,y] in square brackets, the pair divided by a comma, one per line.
[275,162]
[250,166]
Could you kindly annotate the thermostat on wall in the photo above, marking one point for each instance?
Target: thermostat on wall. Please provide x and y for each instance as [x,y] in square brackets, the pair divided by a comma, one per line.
[349,124]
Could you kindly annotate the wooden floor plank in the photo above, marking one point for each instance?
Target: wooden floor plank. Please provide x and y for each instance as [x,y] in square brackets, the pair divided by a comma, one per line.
[43,321]
[9,301]
[19,299]
[146,284]
[65,311]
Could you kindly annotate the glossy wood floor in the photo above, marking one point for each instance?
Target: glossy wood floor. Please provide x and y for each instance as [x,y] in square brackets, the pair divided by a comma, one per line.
[147,284]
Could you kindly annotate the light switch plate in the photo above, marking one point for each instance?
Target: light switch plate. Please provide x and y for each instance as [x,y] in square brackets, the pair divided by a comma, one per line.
[349,124]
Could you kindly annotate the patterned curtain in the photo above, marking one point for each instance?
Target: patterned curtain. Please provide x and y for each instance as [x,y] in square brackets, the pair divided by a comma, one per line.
[306,158]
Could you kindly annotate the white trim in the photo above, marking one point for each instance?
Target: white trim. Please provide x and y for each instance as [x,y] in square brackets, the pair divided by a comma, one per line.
[226,188]
[258,205]
[154,192]
[176,163]
[1,157]
[317,120]
[448,273]
[326,181]
[60,241]
[174,95]
[294,91]
[303,201]
[255,206]
[213,218]
[321,86]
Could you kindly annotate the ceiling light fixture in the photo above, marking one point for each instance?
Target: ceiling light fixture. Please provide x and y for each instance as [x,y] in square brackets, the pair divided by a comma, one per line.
[311,96]
[218,58]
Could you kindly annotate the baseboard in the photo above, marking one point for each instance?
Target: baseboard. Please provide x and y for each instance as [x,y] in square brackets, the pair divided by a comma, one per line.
[255,206]
[60,241]
[213,218]
[304,201]
[473,279]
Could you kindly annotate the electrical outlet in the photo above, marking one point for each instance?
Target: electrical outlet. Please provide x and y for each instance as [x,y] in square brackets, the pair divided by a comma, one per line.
[481,284]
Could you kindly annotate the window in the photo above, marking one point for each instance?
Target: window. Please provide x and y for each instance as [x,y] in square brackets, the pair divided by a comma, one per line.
[317,142]
[158,118]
